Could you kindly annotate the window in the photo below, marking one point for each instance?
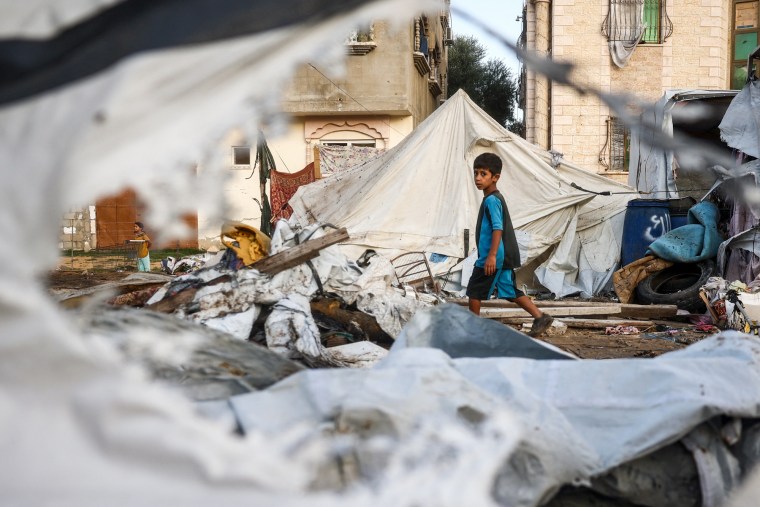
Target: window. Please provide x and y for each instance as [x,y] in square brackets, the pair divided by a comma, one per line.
[354,142]
[620,145]
[744,40]
[241,155]
[652,14]
[632,21]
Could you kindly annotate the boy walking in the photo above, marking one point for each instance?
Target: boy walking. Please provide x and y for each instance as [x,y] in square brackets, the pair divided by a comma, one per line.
[143,252]
[498,253]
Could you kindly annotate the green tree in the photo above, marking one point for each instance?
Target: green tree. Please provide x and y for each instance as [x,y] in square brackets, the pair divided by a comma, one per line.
[489,84]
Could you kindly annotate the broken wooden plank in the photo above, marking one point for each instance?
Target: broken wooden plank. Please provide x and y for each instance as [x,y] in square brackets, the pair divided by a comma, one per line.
[498,313]
[503,303]
[298,254]
[586,323]
[630,311]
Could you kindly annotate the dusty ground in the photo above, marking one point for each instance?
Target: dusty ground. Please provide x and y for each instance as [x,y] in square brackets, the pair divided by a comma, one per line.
[83,272]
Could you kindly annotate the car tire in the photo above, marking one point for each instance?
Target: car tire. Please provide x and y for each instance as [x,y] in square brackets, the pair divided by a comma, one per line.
[677,285]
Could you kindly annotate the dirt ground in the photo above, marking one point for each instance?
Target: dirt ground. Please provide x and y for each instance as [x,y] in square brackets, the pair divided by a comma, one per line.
[584,343]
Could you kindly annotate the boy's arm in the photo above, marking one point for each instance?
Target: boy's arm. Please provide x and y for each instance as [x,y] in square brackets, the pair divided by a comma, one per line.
[490,265]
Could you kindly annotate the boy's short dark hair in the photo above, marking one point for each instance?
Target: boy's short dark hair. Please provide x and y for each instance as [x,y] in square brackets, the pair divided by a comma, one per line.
[490,161]
[140,225]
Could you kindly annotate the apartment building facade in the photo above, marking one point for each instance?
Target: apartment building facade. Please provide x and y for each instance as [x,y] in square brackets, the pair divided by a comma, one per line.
[642,48]
[395,77]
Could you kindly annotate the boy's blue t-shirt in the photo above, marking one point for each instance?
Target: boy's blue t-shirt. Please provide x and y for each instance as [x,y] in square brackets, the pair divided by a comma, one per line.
[492,221]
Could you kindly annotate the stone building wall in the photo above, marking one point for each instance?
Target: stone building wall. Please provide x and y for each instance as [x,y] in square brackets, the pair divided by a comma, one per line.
[694,56]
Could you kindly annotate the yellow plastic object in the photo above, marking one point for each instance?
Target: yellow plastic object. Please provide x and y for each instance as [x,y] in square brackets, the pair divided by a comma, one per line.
[252,244]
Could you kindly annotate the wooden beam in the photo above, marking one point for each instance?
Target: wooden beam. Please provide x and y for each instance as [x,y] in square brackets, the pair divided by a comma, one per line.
[298,254]
[648,311]
[494,313]
[629,311]
[586,323]
[503,303]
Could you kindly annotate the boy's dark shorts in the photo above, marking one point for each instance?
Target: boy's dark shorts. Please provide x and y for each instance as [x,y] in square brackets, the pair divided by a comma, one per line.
[482,286]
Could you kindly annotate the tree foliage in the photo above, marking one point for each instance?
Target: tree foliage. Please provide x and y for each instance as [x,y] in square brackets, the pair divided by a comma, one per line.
[489,84]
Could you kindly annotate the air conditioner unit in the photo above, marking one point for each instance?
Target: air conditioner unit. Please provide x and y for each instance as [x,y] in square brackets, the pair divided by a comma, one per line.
[448,38]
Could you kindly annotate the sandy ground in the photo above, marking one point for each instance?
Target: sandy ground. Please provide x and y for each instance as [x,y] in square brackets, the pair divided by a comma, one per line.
[83,272]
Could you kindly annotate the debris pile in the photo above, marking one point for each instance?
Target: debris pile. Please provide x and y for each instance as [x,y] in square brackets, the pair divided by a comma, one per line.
[299,296]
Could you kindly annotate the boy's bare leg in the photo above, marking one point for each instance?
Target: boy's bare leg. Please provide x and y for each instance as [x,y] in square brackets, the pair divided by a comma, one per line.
[526,304]
[474,306]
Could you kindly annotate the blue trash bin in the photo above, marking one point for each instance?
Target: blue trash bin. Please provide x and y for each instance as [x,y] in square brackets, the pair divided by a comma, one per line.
[679,211]
[645,221]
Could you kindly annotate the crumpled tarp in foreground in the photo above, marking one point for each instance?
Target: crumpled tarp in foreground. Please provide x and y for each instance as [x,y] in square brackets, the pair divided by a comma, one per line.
[577,419]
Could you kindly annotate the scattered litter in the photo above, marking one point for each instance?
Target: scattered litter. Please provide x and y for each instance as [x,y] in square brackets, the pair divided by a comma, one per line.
[621,330]
[358,354]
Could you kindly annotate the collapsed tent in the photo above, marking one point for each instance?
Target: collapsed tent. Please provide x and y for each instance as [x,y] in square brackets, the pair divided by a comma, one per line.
[419,196]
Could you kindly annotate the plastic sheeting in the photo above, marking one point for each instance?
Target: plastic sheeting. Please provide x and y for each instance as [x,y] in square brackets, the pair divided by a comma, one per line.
[80,426]
[578,419]
[419,196]
[740,127]
[460,333]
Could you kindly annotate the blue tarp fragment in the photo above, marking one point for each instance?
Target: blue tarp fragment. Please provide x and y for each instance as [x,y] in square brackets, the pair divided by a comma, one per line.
[695,242]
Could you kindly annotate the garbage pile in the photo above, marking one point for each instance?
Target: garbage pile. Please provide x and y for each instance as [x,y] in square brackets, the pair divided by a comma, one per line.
[325,310]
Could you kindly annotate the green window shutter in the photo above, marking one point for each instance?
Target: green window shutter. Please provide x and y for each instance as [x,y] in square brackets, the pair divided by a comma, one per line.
[652,20]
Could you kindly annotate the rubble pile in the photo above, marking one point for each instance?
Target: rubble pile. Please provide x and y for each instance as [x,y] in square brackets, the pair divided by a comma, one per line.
[324,311]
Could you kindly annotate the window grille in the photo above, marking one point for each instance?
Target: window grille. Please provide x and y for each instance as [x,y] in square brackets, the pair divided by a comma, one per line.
[637,20]
[620,144]
[363,143]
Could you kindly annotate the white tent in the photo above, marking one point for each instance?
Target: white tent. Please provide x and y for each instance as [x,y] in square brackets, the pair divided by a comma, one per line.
[419,196]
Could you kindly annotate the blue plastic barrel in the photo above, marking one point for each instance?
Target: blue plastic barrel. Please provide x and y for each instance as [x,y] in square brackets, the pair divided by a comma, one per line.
[679,211]
[645,221]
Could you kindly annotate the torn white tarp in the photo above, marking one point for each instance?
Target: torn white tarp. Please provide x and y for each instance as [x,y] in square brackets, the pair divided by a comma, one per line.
[574,427]
[358,354]
[580,419]
[79,426]
[409,422]
[291,330]
[740,127]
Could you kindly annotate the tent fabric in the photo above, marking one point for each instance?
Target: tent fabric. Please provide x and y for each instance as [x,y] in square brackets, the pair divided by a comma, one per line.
[283,186]
[740,127]
[91,40]
[419,196]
